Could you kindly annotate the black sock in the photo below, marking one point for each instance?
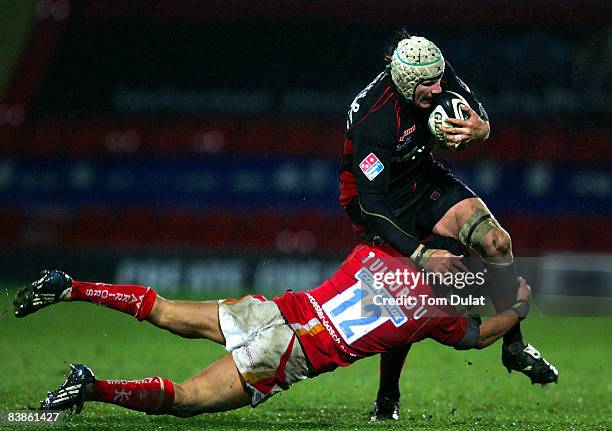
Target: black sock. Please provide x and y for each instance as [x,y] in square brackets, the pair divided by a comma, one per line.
[502,285]
[391,364]
[514,335]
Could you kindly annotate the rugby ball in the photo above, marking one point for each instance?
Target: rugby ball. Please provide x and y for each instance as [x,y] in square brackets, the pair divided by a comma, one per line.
[446,105]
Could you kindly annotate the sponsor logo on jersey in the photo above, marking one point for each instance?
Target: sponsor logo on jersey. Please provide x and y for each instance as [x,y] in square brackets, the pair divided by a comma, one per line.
[394,312]
[407,132]
[371,166]
[405,139]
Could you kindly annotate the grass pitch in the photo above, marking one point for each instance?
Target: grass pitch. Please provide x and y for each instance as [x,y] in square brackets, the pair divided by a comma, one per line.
[441,388]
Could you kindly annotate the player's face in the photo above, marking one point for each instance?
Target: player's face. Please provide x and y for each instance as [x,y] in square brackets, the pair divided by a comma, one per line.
[425,91]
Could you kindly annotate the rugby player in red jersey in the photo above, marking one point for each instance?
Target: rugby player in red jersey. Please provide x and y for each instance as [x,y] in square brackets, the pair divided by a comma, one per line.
[271,344]
[396,192]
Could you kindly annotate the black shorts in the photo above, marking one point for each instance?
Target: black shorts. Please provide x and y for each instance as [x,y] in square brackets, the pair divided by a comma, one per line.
[435,192]
[434,195]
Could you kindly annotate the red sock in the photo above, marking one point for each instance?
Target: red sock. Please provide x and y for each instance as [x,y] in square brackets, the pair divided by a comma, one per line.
[153,395]
[131,299]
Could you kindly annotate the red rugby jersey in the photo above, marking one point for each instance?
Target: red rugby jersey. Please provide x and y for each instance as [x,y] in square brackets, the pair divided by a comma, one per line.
[340,321]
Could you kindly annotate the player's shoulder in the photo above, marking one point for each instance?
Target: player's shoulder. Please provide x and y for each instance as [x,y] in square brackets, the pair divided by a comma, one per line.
[374,110]
[449,71]
[380,86]
[452,82]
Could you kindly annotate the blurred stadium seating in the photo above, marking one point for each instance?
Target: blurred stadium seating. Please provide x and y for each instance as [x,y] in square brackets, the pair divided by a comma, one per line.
[113,105]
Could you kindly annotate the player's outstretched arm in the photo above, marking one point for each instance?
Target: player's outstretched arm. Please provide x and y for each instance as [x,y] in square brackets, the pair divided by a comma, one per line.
[497,326]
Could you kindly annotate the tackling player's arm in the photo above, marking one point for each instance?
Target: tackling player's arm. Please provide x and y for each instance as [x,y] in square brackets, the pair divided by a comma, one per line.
[497,326]
[476,128]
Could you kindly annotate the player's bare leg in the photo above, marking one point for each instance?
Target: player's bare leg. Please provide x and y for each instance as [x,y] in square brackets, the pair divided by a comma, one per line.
[217,388]
[471,222]
[190,319]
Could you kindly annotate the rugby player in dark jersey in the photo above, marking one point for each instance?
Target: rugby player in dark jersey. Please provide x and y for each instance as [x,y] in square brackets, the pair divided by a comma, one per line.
[394,191]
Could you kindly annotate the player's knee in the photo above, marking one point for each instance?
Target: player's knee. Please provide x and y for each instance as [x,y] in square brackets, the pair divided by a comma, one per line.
[497,243]
[483,234]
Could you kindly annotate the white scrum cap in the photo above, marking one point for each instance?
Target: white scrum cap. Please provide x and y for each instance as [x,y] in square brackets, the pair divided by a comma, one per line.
[415,59]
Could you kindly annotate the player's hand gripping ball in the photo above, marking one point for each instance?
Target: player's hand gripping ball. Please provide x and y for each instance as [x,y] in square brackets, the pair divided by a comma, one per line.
[446,105]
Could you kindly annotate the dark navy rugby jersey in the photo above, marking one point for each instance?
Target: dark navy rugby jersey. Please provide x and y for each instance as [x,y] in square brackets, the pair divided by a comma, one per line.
[387,151]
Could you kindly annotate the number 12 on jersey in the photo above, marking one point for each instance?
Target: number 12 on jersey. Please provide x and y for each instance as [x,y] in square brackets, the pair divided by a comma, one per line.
[352,317]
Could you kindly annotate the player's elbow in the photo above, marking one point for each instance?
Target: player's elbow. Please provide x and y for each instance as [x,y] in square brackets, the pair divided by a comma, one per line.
[481,344]
[485,340]
[371,201]
[372,206]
